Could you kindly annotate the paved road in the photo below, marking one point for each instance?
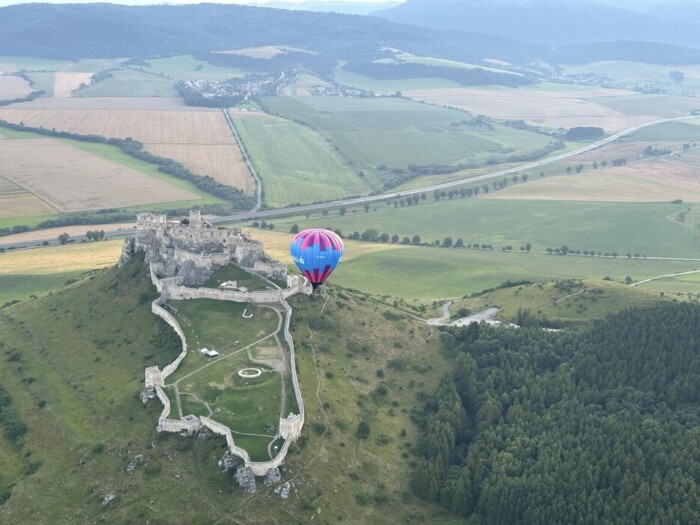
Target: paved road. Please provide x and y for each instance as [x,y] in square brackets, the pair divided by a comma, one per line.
[296,210]
[256,213]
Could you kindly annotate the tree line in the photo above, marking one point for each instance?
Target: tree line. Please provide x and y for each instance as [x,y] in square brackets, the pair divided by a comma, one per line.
[591,426]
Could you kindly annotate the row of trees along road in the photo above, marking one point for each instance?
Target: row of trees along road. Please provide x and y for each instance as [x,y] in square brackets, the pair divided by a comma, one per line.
[593,426]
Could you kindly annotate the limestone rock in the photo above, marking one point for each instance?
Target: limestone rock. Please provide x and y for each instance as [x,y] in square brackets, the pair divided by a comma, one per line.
[246,479]
[109,497]
[273,476]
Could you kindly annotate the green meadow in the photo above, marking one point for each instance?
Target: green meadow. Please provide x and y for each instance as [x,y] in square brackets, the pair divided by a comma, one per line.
[186,67]
[296,164]
[427,274]
[130,83]
[635,228]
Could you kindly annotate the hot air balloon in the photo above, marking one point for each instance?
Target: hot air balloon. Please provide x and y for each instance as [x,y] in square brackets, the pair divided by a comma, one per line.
[316,252]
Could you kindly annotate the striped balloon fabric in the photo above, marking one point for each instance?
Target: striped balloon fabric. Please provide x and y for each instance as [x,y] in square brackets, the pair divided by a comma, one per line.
[316,252]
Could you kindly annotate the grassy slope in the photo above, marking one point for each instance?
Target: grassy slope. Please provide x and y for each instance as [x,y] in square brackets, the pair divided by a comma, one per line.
[348,78]
[573,301]
[86,348]
[296,164]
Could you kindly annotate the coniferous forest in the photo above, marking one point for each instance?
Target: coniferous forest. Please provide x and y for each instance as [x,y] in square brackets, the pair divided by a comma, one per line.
[594,426]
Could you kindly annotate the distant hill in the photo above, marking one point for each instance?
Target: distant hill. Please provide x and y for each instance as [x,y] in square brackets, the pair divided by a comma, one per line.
[107,30]
[553,22]
[351,8]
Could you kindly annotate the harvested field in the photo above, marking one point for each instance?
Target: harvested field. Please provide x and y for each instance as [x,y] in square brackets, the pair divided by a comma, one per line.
[12,87]
[65,83]
[108,102]
[70,179]
[73,231]
[147,126]
[659,180]
[200,140]
[22,204]
[222,162]
[552,109]
[622,150]
[8,68]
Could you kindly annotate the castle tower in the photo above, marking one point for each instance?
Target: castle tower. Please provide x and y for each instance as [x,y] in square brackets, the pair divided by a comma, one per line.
[195,219]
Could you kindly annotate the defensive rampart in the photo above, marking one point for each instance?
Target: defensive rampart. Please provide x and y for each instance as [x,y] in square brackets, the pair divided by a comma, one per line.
[289,428]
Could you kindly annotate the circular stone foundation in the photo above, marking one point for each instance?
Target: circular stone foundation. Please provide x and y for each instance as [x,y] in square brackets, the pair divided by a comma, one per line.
[249,373]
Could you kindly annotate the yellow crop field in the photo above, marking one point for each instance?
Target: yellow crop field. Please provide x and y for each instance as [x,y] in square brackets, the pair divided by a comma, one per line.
[22,205]
[61,259]
[64,83]
[70,179]
[223,162]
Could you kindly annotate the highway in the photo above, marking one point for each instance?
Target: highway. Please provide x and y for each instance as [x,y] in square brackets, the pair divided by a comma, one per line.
[256,213]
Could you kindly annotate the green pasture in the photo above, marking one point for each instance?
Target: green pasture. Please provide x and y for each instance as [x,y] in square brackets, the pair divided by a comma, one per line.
[11,134]
[19,287]
[356,80]
[296,164]
[42,81]
[396,133]
[687,286]
[34,64]
[681,131]
[186,67]
[636,228]
[130,83]
[425,274]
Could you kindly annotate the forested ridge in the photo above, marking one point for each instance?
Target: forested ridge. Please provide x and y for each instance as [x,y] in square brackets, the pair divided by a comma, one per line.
[595,426]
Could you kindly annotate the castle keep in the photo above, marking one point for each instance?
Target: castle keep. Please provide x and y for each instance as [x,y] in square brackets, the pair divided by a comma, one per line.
[189,251]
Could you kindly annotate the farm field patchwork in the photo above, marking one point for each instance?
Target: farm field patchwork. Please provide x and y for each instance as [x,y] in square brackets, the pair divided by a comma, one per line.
[295,163]
[381,134]
[199,139]
[661,106]
[641,74]
[61,169]
[553,109]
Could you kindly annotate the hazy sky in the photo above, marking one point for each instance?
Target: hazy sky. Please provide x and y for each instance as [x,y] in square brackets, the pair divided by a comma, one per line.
[150,2]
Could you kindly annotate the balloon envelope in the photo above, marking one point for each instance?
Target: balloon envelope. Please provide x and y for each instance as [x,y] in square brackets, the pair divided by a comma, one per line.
[316,252]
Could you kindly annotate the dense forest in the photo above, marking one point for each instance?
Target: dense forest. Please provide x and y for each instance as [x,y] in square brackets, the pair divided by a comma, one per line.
[596,426]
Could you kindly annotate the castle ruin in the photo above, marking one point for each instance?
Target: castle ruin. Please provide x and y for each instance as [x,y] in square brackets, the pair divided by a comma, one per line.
[191,250]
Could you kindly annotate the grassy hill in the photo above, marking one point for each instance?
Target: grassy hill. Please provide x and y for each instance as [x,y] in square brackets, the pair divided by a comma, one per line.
[73,364]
